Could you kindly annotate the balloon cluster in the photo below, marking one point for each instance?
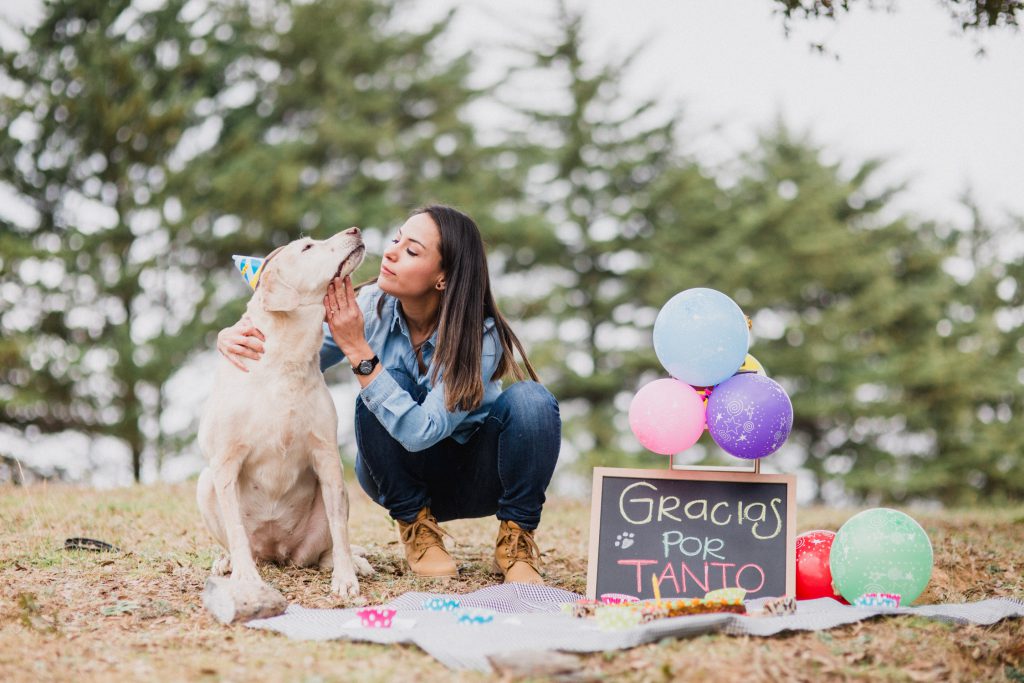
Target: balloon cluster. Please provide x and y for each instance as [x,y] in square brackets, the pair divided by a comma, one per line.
[701,338]
[878,552]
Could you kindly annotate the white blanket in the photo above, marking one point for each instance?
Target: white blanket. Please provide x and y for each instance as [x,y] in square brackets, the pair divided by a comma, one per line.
[529,618]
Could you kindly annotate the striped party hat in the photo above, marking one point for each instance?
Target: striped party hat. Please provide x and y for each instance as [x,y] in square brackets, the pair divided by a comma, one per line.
[250,267]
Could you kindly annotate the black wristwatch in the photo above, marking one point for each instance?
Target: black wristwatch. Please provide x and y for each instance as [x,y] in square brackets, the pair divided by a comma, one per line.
[365,367]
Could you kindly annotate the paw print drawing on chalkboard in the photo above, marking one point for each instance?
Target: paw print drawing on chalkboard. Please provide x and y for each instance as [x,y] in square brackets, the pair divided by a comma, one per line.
[624,540]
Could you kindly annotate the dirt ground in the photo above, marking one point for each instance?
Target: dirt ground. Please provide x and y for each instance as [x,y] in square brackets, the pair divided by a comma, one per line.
[137,614]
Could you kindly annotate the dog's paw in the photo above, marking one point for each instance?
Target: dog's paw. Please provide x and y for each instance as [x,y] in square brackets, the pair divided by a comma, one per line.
[221,566]
[358,551]
[363,567]
[344,585]
[246,575]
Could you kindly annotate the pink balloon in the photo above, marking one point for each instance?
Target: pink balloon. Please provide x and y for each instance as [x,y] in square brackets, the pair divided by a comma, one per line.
[667,416]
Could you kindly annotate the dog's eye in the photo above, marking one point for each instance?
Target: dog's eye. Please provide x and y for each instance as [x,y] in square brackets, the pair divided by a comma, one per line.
[308,246]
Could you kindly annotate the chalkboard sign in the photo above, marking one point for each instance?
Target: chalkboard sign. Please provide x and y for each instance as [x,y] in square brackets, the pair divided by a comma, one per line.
[696,531]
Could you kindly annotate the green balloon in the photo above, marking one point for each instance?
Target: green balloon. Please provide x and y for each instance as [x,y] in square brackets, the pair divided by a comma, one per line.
[881,551]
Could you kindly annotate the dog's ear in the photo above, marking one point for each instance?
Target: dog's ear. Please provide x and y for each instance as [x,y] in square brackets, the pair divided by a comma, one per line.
[278,295]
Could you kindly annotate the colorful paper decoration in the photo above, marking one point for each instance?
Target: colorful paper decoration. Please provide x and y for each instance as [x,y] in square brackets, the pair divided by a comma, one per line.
[441,604]
[376,617]
[888,600]
[251,267]
[474,616]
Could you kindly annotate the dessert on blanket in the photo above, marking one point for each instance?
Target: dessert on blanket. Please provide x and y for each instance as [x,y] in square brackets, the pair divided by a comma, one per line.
[727,600]
[617,617]
[650,610]
[688,606]
[779,607]
[581,609]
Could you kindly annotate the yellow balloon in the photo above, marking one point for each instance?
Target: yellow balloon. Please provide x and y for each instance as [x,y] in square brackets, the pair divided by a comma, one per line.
[751,364]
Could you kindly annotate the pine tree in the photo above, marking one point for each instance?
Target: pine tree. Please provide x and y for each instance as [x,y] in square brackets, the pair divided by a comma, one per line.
[343,123]
[845,297]
[968,398]
[602,172]
[99,100]
[150,145]
[845,294]
[968,15]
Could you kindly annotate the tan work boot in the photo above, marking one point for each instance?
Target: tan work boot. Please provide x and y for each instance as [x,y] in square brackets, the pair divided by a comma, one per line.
[516,555]
[424,547]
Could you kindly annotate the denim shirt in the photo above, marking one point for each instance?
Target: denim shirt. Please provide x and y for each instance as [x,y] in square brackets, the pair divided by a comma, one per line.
[415,426]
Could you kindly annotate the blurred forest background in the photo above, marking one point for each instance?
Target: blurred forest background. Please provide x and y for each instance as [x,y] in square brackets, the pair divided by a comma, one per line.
[144,147]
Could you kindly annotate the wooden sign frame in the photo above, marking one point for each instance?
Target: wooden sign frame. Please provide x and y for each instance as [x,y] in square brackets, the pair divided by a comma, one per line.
[724,474]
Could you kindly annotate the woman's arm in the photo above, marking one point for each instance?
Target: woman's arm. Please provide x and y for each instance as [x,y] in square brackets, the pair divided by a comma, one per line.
[420,426]
[241,340]
[330,354]
[345,324]
[415,426]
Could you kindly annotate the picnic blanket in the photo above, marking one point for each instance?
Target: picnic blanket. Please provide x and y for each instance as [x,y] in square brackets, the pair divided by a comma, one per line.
[529,618]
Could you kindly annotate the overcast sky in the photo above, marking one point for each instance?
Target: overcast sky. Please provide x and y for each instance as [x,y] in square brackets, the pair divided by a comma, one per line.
[907,85]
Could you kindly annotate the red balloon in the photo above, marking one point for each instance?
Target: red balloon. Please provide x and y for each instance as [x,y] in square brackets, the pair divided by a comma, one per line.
[813,573]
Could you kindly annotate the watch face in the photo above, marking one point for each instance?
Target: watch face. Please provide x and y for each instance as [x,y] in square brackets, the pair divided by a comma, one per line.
[365,367]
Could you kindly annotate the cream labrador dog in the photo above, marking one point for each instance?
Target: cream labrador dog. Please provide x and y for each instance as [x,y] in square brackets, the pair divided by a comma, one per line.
[273,489]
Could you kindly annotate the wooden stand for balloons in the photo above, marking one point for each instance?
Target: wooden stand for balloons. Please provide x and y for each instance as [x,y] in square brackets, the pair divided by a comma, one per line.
[756,469]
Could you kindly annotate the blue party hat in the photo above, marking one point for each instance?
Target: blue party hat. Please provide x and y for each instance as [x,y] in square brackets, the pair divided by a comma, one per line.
[250,267]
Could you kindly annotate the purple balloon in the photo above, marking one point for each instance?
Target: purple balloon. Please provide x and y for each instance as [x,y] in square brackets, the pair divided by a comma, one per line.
[749,416]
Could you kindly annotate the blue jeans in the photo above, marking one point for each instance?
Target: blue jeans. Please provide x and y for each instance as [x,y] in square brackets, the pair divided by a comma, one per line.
[504,468]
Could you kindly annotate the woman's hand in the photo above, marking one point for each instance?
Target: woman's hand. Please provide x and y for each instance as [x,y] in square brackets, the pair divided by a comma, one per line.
[345,319]
[241,340]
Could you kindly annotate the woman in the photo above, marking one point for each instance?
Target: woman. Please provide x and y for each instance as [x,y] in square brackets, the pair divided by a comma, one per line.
[438,438]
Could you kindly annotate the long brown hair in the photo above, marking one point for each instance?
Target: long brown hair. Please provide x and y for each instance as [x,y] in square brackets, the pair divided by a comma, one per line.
[465,303]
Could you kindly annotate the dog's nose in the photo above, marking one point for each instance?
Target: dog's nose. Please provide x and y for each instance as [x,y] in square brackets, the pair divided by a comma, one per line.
[352,231]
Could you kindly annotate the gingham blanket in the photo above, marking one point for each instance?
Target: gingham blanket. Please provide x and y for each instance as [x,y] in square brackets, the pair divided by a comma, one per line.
[529,618]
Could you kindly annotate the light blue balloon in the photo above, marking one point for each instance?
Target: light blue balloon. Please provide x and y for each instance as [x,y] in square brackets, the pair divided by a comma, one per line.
[701,337]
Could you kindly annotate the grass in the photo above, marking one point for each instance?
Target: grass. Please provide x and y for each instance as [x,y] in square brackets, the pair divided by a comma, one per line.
[83,616]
